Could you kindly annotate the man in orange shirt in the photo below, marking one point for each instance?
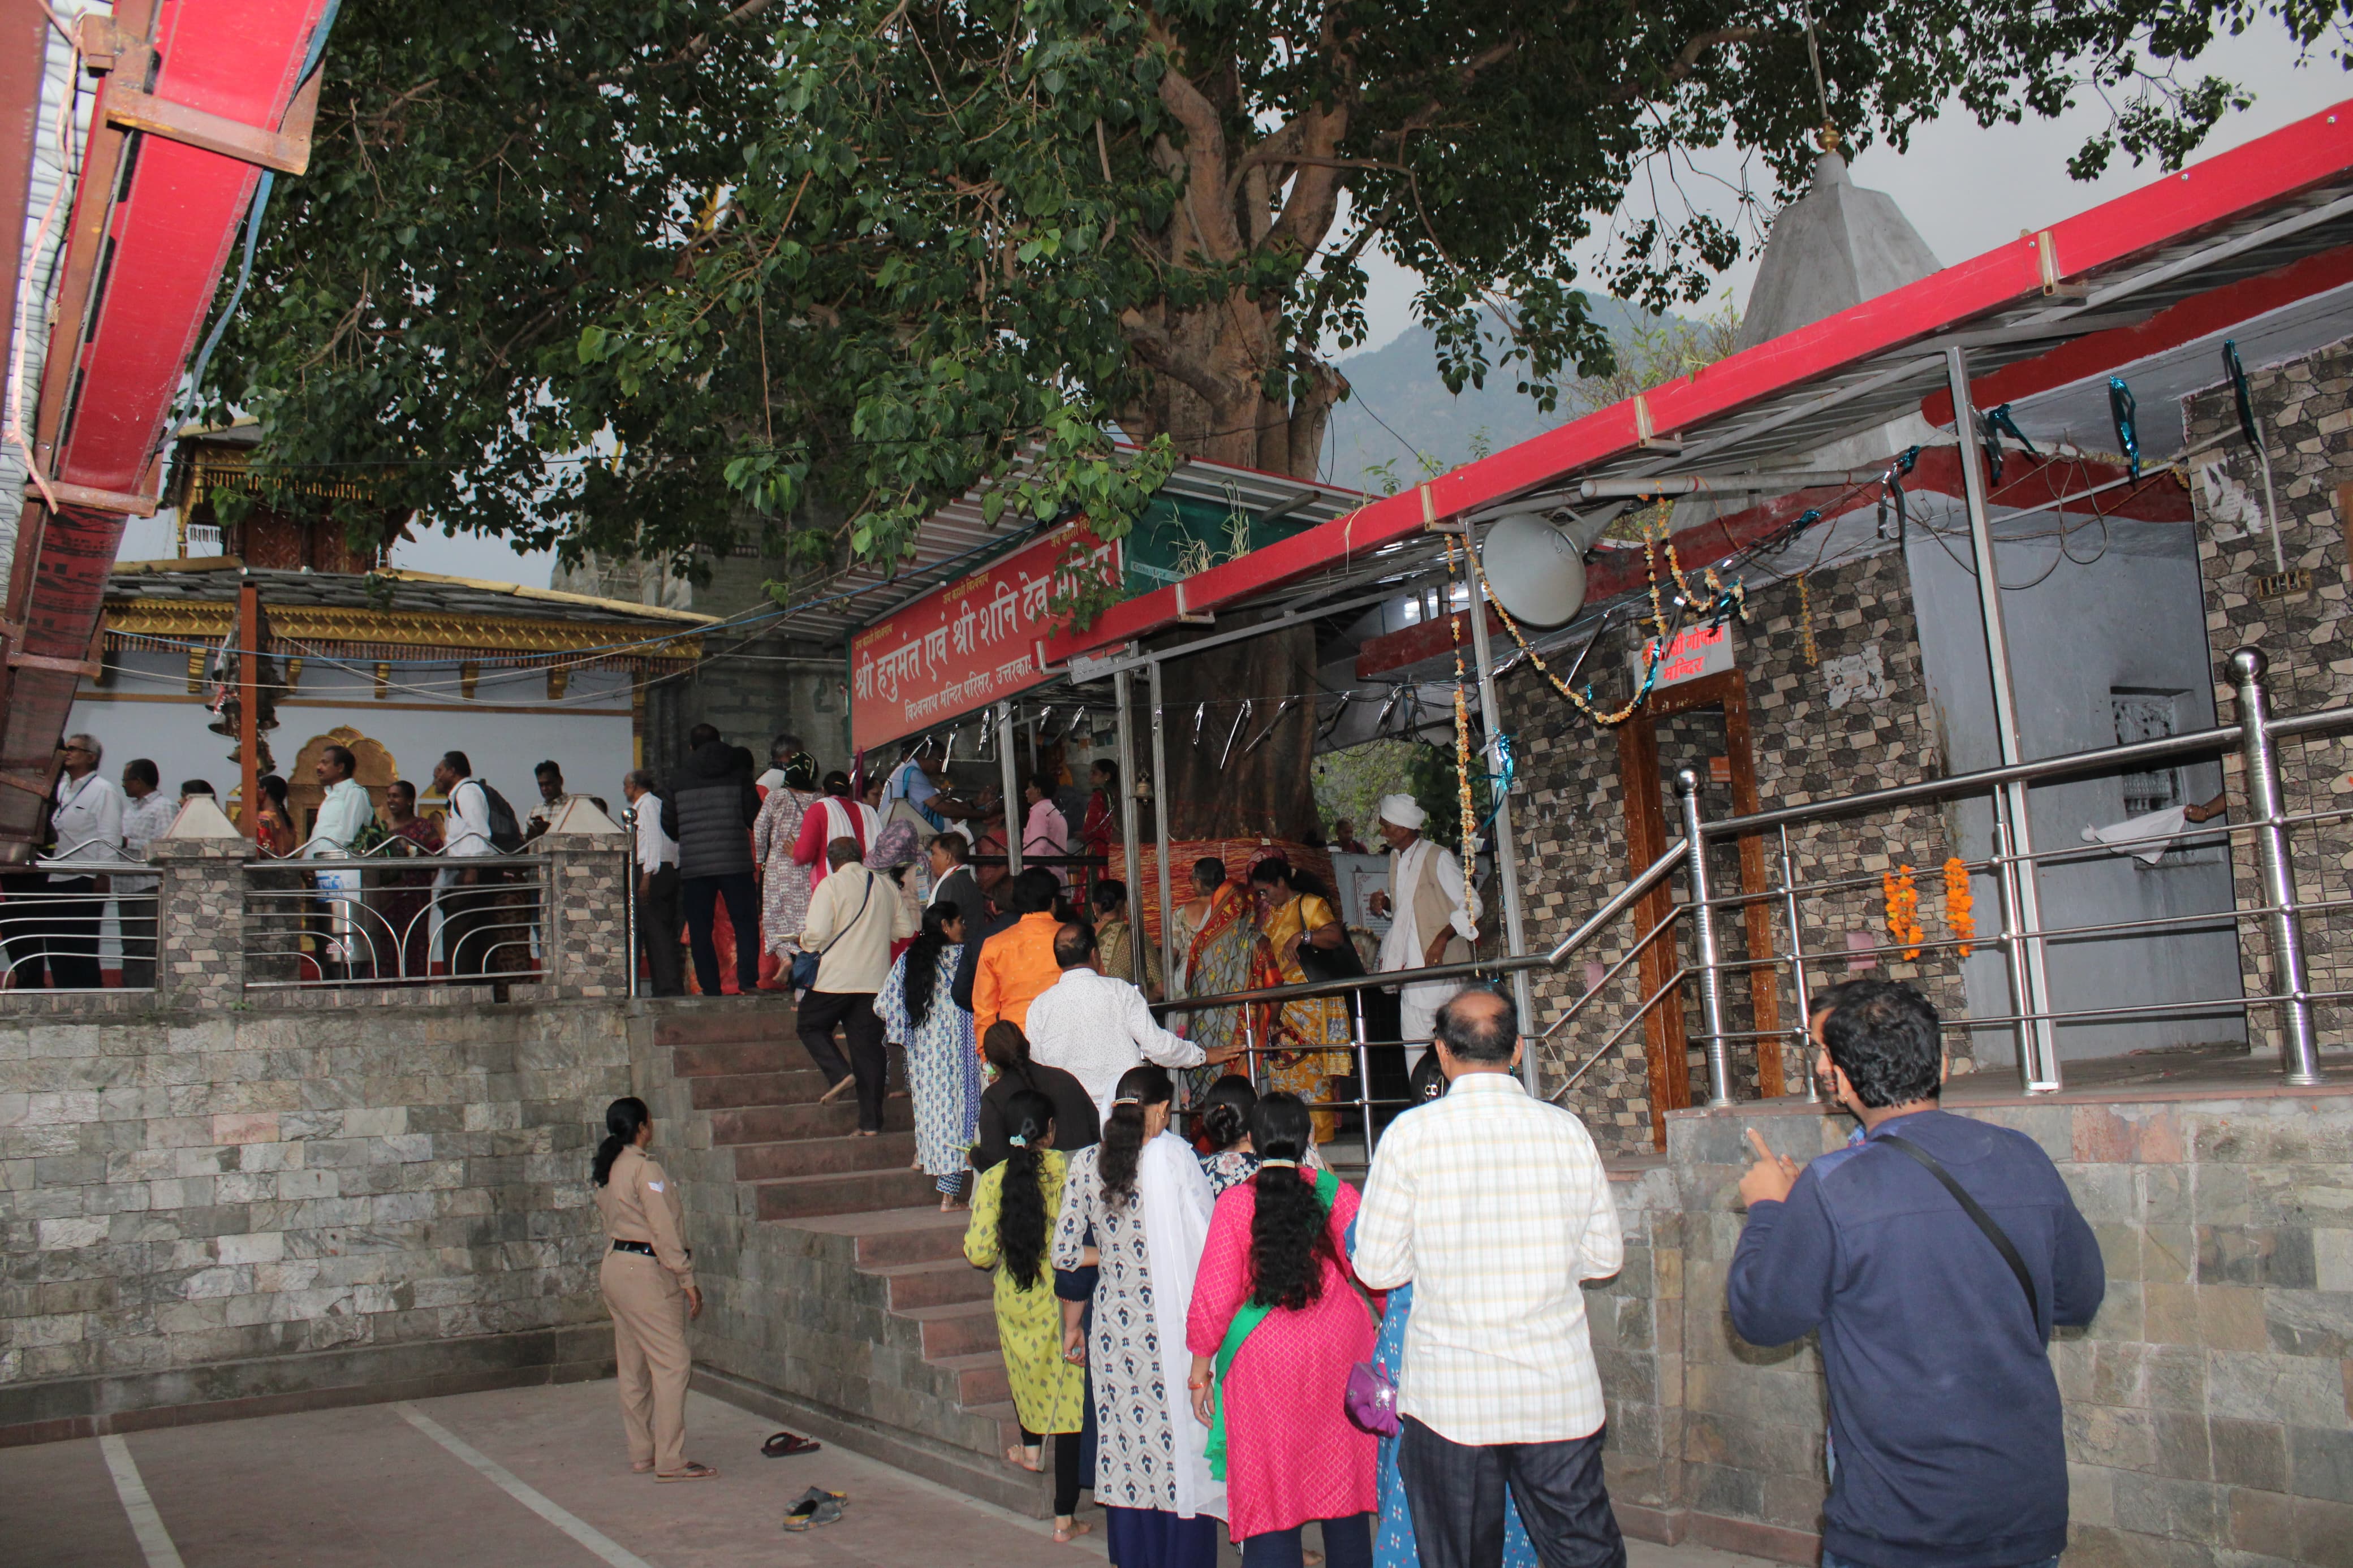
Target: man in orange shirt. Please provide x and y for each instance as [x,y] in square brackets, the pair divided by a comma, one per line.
[1017,962]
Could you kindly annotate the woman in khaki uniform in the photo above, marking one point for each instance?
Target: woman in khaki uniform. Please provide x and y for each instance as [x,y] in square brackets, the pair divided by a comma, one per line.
[647,1278]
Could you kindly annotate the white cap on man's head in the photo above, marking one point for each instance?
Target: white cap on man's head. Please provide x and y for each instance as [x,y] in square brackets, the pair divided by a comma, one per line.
[1404,810]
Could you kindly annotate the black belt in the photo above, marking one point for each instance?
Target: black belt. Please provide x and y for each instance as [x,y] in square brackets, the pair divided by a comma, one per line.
[643,1248]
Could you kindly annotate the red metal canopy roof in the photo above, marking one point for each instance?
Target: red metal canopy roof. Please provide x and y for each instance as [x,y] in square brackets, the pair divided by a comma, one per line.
[169,173]
[2192,239]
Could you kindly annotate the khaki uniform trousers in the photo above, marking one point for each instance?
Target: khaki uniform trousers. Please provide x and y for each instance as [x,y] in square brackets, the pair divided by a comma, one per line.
[648,1307]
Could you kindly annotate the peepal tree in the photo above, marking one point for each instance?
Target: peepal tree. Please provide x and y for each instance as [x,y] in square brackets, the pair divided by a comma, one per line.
[758,264]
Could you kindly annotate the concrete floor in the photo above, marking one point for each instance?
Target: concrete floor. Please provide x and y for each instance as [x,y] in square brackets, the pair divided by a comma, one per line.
[529,1478]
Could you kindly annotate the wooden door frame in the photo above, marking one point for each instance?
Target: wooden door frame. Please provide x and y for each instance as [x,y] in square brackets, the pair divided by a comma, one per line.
[1666,1042]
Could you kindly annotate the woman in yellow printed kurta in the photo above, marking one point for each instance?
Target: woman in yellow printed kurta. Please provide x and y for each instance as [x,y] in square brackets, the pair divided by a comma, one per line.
[1295,913]
[1014,1207]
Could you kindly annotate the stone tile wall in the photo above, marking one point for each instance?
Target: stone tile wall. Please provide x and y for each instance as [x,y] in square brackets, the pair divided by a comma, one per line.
[236,1207]
[1571,815]
[2307,409]
[2206,1406]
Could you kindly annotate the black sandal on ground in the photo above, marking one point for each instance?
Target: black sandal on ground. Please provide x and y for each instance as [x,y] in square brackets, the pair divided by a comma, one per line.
[784,1445]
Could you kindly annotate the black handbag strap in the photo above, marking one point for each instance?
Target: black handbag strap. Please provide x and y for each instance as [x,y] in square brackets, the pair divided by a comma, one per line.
[852,923]
[1976,1210]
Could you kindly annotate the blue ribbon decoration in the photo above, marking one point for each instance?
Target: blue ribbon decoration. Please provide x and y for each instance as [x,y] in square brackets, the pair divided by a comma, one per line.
[2122,409]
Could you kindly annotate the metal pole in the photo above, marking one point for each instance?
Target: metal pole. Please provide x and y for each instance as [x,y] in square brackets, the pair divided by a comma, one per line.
[2299,1053]
[1711,982]
[1131,836]
[1009,781]
[1160,831]
[1804,1033]
[1507,860]
[1364,1070]
[2013,950]
[629,902]
[2039,1063]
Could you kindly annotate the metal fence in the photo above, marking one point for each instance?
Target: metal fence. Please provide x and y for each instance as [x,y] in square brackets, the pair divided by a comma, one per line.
[53,920]
[387,918]
[1657,950]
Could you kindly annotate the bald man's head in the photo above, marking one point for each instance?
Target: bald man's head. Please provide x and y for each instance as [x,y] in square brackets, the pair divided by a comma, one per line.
[1481,1028]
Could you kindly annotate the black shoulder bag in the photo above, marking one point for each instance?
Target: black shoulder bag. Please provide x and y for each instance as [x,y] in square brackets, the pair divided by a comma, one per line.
[1976,1210]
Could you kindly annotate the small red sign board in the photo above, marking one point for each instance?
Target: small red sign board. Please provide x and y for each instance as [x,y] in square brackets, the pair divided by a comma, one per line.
[964,645]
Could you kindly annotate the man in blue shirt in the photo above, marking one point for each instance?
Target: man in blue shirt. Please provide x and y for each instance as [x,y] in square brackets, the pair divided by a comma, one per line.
[1946,1445]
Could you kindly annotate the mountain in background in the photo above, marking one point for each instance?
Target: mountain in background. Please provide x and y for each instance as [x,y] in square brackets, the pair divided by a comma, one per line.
[1397,385]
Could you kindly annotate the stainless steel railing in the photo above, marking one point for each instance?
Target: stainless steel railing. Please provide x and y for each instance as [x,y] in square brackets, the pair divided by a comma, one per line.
[52,928]
[2267,826]
[386,919]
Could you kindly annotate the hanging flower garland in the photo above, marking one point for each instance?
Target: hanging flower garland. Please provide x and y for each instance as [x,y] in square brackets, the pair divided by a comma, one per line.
[1902,911]
[1957,904]
[1461,710]
[1718,602]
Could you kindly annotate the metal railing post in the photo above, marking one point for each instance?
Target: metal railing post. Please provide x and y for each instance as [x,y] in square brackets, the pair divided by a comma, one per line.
[1249,1050]
[1363,1069]
[1711,982]
[1015,819]
[1801,1035]
[2291,987]
[2014,951]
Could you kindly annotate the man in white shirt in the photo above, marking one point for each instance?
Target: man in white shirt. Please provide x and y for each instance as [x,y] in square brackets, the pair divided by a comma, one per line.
[467,906]
[344,811]
[657,885]
[1494,1206]
[1095,1027]
[147,817]
[854,917]
[89,826]
[1433,917]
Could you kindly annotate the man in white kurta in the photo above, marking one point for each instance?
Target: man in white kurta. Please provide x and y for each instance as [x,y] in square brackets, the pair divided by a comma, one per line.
[345,809]
[1433,916]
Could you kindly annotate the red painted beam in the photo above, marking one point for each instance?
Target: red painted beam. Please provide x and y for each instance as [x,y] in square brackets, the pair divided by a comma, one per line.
[2229,185]
[2200,315]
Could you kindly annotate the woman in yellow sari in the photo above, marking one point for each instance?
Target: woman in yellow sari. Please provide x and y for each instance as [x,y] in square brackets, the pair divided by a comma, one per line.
[1294,911]
[1227,954]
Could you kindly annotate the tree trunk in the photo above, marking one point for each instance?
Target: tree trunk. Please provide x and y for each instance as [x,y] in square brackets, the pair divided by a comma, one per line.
[1258,789]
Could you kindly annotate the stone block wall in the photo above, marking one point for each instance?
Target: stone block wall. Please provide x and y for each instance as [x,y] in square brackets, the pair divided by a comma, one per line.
[2208,1419]
[2305,408]
[239,1210]
[1571,817]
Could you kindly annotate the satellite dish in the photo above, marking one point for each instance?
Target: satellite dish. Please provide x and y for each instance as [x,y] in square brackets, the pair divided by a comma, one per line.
[1533,570]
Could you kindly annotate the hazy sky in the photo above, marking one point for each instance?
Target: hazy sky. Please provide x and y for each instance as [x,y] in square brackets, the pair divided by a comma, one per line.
[1965,189]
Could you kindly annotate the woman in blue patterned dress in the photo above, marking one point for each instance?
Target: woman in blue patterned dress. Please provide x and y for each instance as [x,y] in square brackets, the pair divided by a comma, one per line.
[919,1013]
[1393,1543]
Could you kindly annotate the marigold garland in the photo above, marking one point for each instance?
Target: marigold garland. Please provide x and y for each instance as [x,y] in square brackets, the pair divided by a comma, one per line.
[1902,911]
[1719,597]
[1462,712]
[1957,903]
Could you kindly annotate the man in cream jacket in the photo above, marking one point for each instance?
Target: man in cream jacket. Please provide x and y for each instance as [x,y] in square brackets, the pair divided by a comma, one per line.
[1433,916]
[854,917]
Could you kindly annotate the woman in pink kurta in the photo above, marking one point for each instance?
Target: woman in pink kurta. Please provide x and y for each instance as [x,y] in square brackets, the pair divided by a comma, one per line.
[1292,1453]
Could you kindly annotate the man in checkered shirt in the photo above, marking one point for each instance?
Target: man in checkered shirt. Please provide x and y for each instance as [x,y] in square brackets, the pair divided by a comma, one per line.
[1495,1205]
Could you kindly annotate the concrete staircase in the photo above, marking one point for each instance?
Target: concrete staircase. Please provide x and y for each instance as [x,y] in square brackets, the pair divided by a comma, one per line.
[849,1309]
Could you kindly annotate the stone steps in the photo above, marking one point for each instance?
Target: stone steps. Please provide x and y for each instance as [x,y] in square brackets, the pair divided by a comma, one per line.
[857,1192]
[749,1079]
[770,1123]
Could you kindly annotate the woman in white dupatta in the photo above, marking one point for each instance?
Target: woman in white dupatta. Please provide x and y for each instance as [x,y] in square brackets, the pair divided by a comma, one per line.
[1137,1205]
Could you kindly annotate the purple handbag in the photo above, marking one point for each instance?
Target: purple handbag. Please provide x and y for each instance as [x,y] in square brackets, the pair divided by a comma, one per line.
[1372,1399]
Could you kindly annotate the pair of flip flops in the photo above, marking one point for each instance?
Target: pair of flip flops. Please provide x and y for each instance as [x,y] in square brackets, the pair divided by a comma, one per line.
[786,1444]
[815,1506]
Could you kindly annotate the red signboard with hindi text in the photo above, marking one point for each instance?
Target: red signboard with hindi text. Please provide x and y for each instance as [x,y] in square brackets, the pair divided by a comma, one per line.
[964,646]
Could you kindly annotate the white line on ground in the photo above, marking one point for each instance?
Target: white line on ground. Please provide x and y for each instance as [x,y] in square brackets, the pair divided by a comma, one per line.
[507,1481]
[145,1523]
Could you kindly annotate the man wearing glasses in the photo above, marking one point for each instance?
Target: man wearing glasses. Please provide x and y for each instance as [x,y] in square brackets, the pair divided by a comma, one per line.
[88,824]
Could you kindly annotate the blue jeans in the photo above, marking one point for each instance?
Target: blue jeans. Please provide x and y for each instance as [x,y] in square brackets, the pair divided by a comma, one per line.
[1831,1560]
